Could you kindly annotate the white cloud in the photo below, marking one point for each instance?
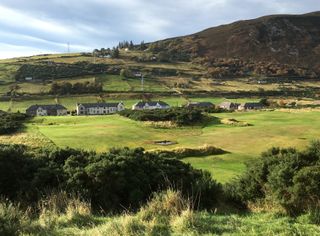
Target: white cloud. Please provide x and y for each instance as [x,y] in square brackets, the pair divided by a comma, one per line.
[34,26]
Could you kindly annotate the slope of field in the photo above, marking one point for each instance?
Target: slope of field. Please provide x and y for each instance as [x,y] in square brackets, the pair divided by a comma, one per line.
[268,128]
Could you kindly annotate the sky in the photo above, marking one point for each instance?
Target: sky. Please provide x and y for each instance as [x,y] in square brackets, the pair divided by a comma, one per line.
[29,27]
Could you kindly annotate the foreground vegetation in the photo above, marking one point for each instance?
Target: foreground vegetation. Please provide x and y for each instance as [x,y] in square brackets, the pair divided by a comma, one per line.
[167,213]
[231,209]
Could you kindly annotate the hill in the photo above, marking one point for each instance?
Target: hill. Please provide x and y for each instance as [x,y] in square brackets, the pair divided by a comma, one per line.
[283,39]
[286,39]
[270,56]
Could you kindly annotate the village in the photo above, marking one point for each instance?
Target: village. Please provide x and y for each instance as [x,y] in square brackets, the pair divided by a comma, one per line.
[105,108]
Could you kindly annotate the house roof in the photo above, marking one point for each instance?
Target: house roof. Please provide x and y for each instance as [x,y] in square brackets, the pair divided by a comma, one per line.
[200,104]
[228,104]
[47,107]
[251,104]
[151,103]
[100,104]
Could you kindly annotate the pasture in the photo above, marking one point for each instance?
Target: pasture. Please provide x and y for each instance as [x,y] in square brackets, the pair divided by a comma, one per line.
[286,128]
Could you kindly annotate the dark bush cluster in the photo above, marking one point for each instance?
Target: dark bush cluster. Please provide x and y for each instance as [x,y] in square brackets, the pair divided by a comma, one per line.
[288,177]
[180,116]
[180,153]
[117,180]
[11,122]
[76,88]
[60,70]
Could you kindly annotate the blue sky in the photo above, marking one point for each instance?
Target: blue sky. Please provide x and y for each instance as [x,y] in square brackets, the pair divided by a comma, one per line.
[29,27]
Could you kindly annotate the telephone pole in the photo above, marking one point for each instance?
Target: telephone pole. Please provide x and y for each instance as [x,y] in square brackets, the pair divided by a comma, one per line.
[68,46]
[142,83]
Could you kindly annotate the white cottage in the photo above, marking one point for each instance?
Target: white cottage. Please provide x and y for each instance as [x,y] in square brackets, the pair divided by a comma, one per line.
[150,105]
[99,108]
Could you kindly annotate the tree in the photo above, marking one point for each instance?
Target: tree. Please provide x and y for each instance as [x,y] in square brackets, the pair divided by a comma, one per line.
[163,57]
[115,53]
[125,73]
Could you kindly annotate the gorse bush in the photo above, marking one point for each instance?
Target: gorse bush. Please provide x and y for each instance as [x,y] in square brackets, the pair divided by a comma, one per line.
[116,180]
[178,115]
[286,176]
[11,122]
[180,153]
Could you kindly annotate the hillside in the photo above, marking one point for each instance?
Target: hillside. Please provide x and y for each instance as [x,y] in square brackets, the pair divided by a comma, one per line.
[285,39]
[270,56]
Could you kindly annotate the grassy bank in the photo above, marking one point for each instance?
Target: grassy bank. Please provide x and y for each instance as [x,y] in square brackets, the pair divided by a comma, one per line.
[166,214]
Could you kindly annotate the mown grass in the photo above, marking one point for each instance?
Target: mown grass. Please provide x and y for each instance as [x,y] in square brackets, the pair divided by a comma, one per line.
[268,129]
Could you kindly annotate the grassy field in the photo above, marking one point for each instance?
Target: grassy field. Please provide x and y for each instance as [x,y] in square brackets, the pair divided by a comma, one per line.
[268,128]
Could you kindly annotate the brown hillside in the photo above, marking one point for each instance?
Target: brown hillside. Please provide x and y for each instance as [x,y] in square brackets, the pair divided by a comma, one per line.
[285,39]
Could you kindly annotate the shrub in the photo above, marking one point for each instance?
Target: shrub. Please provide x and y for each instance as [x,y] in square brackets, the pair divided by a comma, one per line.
[112,181]
[11,122]
[190,152]
[286,176]
[180,116]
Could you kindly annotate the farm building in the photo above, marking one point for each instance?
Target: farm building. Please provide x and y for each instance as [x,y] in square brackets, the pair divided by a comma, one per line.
[99,108]
[202,105]
[230,106]
[150,105]
[47,110]
[250,106]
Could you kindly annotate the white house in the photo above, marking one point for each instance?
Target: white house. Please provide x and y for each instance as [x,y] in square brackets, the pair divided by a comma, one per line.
[150,105]
[99,108]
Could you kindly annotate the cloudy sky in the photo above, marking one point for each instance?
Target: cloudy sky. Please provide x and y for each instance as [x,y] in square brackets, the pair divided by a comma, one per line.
[30,27]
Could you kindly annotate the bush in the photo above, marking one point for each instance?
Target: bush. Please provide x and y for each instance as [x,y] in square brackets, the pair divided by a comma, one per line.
[180,116]
[11,122]
[286,176]
[190,152]
[77,88]
[112,181]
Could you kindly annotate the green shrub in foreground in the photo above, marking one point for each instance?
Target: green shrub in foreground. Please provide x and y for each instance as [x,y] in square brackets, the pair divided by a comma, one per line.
[113,181]
[286,176]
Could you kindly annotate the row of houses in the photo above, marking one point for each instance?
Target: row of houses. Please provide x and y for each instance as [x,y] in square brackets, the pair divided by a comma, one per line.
[104,108]
[231,106]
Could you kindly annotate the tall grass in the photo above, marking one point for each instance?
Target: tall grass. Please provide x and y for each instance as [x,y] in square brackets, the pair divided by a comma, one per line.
[167,213]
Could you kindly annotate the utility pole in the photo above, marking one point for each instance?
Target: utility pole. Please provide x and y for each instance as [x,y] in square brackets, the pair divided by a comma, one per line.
[94,57]
[68,46]
[142,83]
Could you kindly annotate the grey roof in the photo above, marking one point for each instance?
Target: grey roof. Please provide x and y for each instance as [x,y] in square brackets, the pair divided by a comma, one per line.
[100,104]
[151,103]
[200,104]
[47,107]
[251,104]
